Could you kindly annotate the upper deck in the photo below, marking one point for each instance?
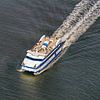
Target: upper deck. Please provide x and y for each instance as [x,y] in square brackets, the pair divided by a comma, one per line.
[44,46]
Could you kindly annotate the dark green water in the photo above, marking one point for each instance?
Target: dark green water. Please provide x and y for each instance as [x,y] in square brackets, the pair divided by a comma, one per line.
[76,76]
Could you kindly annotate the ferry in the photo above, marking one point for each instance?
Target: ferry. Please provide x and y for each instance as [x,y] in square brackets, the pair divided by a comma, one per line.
[42,55]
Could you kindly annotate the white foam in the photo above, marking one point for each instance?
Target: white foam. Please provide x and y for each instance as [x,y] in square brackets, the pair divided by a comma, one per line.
[82,17]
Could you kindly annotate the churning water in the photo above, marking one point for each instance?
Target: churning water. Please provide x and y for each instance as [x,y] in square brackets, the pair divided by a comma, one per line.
[83,16]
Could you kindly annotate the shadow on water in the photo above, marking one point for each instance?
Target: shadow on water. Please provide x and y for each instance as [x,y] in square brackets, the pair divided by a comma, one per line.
[28,73]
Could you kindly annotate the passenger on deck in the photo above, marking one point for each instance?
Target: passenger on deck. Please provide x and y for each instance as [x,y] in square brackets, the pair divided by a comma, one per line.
[45,45]
[38,45]
[52,43]
[46,42]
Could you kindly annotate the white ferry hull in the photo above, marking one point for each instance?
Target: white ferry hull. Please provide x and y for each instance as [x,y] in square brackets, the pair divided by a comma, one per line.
[45,63]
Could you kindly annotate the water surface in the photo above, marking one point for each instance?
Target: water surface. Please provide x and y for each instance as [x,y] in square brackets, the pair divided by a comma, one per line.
[76,76]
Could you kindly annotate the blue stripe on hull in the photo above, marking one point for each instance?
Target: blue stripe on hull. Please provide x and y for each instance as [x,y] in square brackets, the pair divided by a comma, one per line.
[49,62]
[47,59]
[34,59]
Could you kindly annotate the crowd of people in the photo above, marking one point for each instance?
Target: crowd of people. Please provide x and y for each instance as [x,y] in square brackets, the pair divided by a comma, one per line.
[45,45]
